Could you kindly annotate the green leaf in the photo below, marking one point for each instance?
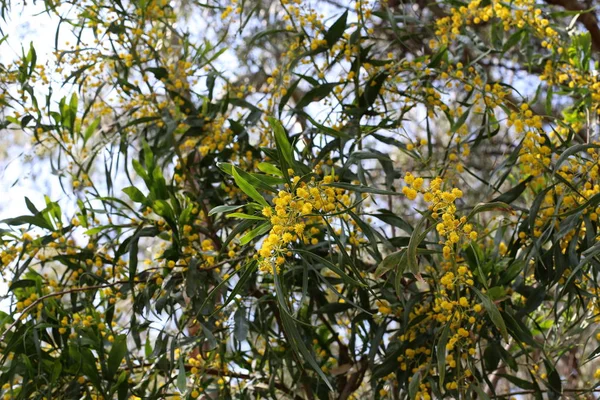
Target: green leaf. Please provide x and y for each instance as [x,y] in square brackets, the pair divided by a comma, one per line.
[441,354]
[116,355]
[88,365]
[415,240]
[548,103]
[23,283]
[181,377]
[514,193]
[164,209]
[413,386]
[460,121]
[372,90]
[284,148]
[512,271]
[159,73]
[492,206]
[140,170]
[246,216]
[438,57]
[493,313]
[336,31]
[73,104]
[93,231]
[37,220]
[258,231]
[513,40]
[316,94]
[90,130]
[554,381]
[241,324]
[523,384]
[31,58]
[249,270]
[134,194]
[571,151]
[31,207]
[395,260]
[259,181]
[345,277]
[295,339]
[148,348]
[56,370]
[535,207]
[223,209]
[248,189]
[269,169]
[393,220]
[291,90]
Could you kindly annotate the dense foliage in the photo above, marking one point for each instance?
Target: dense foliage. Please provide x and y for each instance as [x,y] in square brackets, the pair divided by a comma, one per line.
[304,199]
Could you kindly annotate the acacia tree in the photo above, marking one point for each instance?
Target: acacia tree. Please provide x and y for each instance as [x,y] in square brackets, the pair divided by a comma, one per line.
[307,200]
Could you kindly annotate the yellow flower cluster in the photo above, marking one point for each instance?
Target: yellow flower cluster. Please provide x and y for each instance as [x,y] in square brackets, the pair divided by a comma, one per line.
[450,307]
[441,204]
[199,362]
[294,211]
[517,14]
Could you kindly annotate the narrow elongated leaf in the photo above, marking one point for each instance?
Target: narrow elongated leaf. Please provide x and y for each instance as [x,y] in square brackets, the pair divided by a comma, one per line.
[493,206]
[134,194]
[395,260]
[258,231]
[572,151]
[269,169]
[413,386]
[493,313]
[513,193]
[241,324]
[181,377]
[295,338]
[116,355]
[316,94]
[393,220]
[416,238]
[523,384]
[223,209]
[248,189]
[441,354]
[335,32]
[438,57]
[460,121]
[246,216]
[345,277]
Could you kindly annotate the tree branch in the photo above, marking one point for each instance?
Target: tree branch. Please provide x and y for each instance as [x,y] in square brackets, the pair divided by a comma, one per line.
[587,18]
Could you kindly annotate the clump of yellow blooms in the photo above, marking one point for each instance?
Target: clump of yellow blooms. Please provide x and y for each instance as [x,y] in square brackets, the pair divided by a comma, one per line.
[517,14]
[449,307]
[443,209]
[297,216]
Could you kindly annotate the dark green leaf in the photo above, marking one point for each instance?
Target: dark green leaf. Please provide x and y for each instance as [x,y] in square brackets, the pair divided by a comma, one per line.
[493,313]
[514,193]
[248,189]
[116,355]
[335,32]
